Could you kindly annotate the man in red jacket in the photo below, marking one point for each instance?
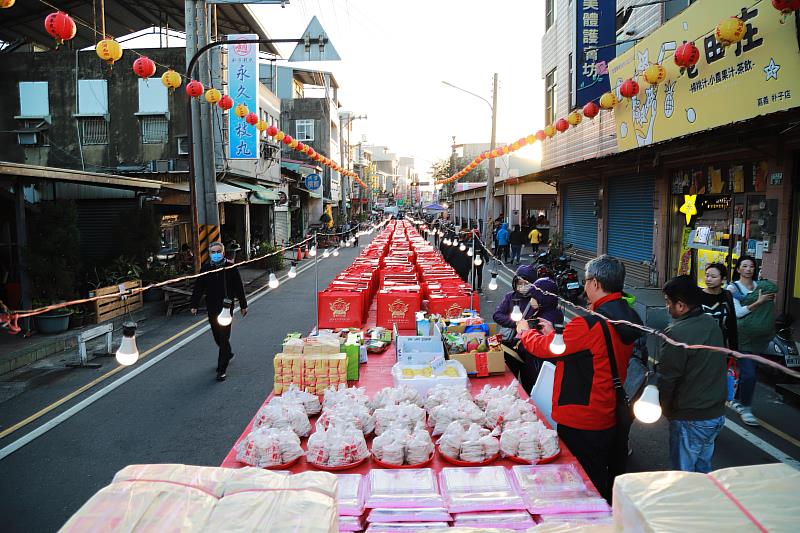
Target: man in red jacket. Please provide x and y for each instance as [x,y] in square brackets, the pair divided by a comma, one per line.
[584,398]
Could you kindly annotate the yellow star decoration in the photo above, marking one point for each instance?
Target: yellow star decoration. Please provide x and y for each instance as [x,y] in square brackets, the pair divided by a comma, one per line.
[689,208]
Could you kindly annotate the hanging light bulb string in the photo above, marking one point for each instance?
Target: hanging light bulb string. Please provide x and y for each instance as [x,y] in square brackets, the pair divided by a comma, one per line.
[26,313]
[658,333]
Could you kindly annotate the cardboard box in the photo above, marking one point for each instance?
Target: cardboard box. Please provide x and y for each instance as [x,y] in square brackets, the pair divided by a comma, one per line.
[419,350]
[341,309]
[481,363]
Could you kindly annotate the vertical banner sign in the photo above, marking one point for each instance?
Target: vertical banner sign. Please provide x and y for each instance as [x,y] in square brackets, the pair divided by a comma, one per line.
[595,25]
[243,84]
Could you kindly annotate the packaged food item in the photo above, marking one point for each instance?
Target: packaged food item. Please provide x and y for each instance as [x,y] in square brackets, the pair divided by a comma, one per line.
[413,487]
[283,413]
[399,446]
[488,393]
[458,409]
[556,489]
[413,514]
[339,445]
[341,393]
[350,494]
[310,402]
[401,527]
[348,411]
[490,519]
[530,441]
[406,415]
[390,396]
[440,394]
[487,488]
[265,447]
[351,523]
[473,445]
[502,410]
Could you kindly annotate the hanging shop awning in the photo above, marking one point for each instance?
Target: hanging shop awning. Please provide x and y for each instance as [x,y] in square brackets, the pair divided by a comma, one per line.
[260,194]
[225,192]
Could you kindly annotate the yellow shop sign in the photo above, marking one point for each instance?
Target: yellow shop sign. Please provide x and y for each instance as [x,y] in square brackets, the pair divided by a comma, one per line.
[758,75]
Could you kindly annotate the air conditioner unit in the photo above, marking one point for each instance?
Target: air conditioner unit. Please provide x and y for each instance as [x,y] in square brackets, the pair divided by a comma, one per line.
[183,145]
[27,138]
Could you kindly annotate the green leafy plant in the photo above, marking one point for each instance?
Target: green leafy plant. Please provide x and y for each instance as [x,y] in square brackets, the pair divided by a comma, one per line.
[138,234]
[121,269]
[273,262]
[53,251]
[159,271]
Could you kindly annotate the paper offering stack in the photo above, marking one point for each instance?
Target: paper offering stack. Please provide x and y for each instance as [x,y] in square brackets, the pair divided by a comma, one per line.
[311,373]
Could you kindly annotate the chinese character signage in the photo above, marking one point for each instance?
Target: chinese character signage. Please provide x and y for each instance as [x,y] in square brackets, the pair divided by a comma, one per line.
[243,88]
[595,23]
[758,75]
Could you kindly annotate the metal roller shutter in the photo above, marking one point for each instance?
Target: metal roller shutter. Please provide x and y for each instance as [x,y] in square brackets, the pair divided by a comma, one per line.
[630,218]
[580,224]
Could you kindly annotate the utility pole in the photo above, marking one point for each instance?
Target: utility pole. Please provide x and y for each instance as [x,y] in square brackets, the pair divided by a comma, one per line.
[488,208]
[342,178]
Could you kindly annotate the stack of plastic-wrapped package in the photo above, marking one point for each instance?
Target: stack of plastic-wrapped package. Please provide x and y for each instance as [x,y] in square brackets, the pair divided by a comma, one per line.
[472,445]
[398,445]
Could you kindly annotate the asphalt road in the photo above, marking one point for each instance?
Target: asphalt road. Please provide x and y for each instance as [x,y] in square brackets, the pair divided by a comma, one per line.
[176,412]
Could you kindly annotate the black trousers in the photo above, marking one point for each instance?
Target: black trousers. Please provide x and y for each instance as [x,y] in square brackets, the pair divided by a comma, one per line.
[477,278]
[222,336]
[603,454]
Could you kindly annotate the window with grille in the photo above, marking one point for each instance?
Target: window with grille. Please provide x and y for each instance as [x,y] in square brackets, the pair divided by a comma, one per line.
[550,97]
[549,13]
[94,130]
[304,130]
[154,129]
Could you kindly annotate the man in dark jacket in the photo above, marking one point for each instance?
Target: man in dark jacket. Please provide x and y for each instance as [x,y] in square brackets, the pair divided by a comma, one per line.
[222,281]
[460,261]
[584,399]
[692,383]
[516,240]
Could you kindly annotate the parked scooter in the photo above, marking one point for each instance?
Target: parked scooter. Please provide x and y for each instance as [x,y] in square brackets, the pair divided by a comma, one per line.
[569,286]
[782,348]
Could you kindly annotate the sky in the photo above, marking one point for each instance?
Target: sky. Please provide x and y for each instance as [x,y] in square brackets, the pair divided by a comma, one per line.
[395,55]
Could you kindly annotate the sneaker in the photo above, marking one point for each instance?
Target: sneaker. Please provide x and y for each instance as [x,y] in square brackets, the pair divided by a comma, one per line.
[748,417]
[736,406]
[221,376]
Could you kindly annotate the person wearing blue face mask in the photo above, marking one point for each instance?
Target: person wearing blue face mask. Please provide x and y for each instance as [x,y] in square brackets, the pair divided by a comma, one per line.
[221,281]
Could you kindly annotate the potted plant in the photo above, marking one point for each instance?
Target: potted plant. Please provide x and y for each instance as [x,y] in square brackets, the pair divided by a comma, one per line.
[78,317]
[272,263]
[53,261]
[157,272]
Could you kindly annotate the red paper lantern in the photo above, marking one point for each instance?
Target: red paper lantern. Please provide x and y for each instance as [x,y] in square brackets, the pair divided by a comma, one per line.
[251,119]
[590,110]
[687,55]
[629,88]
[540,135]
[288,139]
[272,131]
[144,67]
[522,142]
[562,125]
[786,6]
[60,26]
[226,102]
[301,147]
[195,89]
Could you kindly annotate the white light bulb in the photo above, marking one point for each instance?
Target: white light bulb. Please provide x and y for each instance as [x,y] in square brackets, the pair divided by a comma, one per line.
[493,284]
[128,353]
[647,408]
[326,253]
[557,345]
[462,247]
[516,314]
[313,251]
[478,261]
[470,252]
[292,272]
[335,252]
[224,318]
[273,281]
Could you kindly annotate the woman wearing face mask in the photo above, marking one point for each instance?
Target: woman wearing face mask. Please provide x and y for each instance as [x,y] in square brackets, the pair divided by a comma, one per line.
[754,302]
[719,303]
[519,297]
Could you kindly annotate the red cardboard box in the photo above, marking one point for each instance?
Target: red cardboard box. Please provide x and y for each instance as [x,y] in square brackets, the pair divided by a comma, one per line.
[341,309]
[451,306]
[398,308]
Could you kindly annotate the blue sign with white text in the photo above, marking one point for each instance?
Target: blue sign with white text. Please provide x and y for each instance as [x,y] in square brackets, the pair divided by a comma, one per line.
[243,88]
[595,25]
[313,182]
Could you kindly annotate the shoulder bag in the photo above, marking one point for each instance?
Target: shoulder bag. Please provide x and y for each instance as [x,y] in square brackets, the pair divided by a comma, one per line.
[624,407]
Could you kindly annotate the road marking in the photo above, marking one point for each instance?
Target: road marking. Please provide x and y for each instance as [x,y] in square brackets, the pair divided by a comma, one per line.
[779,433]
[762,445]
[44,428]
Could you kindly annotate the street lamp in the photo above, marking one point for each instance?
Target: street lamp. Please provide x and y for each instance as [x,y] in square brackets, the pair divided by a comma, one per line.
[488,209]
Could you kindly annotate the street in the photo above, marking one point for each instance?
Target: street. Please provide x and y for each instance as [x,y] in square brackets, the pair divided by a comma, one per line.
[174,411]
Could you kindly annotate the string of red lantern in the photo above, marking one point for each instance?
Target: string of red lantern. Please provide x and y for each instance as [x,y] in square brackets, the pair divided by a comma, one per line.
[729,31]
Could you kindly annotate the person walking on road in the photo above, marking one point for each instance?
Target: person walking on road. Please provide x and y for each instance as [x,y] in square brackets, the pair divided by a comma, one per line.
[692,384]
[535,237]
[718,303]
[221,282]
[754,302]
[517,241]
[584,398]
[503,238]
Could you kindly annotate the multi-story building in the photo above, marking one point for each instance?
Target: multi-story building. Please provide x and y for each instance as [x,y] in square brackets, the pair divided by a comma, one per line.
[386,163]
[664,181]
[310,114]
